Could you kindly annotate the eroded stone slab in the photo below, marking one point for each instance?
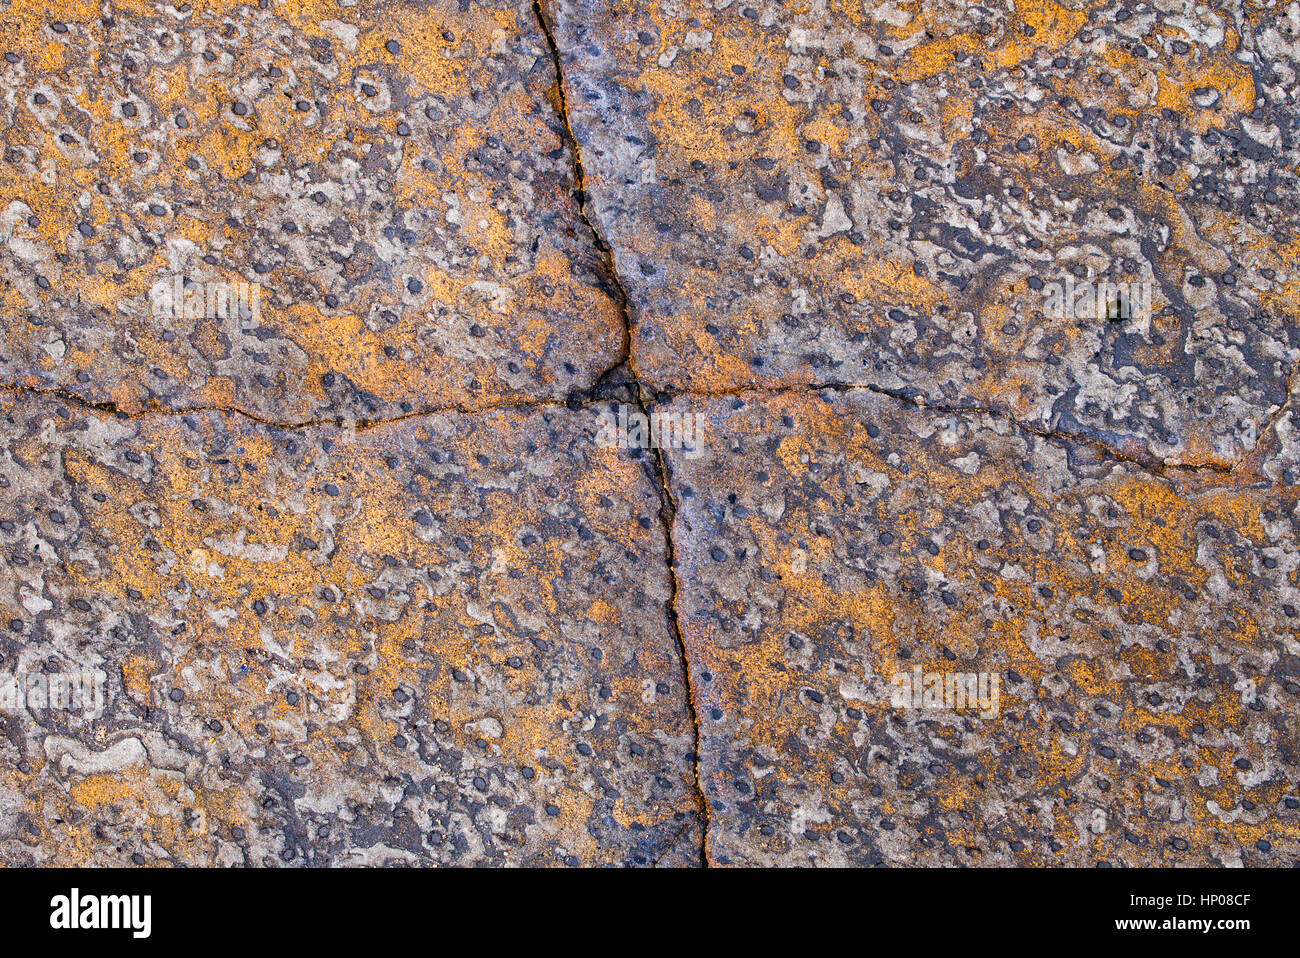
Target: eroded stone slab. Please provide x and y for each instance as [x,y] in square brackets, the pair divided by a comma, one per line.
[443,640]
[1143,634]
[389,182]
[888,194]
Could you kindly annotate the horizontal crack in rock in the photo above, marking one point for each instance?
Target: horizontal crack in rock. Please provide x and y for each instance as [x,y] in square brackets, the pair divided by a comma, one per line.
[1150,464]
[358,425]
[1244,469]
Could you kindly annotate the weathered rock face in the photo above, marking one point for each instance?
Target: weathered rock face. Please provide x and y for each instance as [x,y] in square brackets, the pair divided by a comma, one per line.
[1142,633]
[965,532]
[890,194]
[383,190]
[438,641]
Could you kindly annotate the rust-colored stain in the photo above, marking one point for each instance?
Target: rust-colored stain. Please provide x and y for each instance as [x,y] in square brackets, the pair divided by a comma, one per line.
[1143,637]
[977,324]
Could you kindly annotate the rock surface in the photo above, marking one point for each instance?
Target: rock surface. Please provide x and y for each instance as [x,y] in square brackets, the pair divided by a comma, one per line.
[393,179]
[961,530]
[1143,631]
[424,642]
[884,195]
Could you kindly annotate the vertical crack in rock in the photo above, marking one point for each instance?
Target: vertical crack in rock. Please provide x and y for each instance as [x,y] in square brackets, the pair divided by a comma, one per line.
[668,516]
[616,290]
[1100,511]
[935,569]
[296,234]
[358,673]
[636,395]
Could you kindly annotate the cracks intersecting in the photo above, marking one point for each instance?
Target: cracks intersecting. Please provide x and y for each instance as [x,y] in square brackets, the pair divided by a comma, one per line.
[645,399]
[638,393]
[620,380]
[631,389]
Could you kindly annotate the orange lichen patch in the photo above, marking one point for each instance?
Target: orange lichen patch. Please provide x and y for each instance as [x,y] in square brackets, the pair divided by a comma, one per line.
[156,808]
[137,673]
[885,539]
[94,791]
[1052,24]
[892,281]
[1226,74]
[849,201]
[315,155]
[319,605]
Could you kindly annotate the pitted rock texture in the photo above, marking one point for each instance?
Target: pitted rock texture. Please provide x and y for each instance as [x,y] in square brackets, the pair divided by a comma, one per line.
[314,317]
[428,642]
[883,194]
[393,177]
[1145,633]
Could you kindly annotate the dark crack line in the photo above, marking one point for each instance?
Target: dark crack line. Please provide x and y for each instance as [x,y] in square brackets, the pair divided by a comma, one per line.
[1149,464]
[668,516]
[60,393]
[660,464]
[667,507]
[1270,427]
[582,198]
[638,398]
